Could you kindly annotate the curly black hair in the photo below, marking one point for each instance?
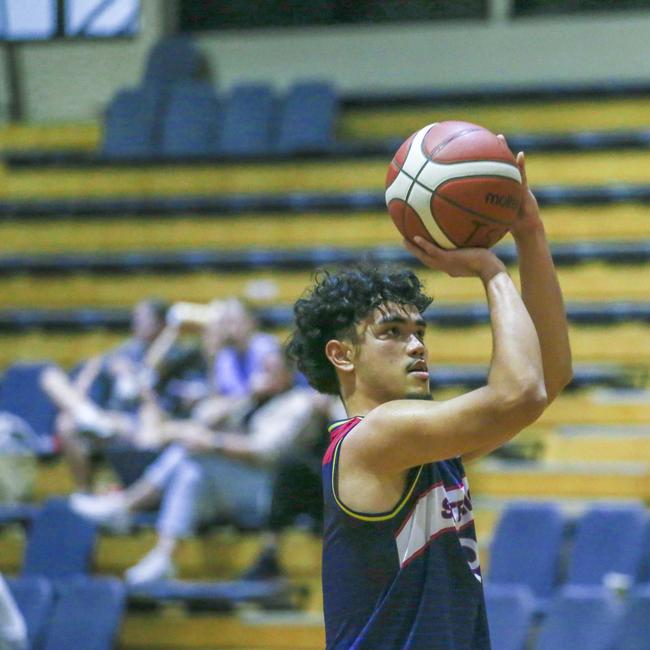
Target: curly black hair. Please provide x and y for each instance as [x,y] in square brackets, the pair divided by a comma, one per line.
[335,304]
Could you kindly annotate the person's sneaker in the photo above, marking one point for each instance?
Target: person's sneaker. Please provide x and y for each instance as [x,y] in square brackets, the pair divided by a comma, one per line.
[266,567]
[154,566]
[93,423]
[108,510]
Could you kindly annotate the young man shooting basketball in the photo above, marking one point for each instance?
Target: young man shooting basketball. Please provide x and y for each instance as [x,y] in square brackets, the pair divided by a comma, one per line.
[400,562]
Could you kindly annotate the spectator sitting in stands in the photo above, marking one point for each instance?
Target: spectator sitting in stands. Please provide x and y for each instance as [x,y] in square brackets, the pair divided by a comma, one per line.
[207,472]
[104,401]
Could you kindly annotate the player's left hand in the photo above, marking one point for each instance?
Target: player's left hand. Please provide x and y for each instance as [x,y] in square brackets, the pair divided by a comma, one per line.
[528,217]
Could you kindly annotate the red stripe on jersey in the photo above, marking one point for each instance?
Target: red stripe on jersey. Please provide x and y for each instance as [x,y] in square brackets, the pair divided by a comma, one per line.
[337,434]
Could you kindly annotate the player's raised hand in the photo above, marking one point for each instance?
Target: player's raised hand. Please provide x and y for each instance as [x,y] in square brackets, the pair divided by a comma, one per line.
[458,263]
[528,215]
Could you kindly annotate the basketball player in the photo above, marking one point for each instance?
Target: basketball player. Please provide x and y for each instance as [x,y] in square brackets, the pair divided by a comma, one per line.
[400,562]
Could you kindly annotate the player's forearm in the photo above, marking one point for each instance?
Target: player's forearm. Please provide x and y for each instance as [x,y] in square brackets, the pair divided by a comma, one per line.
[516,370]
[542,296]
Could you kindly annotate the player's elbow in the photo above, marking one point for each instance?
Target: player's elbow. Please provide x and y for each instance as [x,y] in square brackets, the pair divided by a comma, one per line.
[559,382]
[523,403]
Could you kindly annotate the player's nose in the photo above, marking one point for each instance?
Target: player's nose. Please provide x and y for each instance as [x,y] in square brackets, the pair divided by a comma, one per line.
[416,347]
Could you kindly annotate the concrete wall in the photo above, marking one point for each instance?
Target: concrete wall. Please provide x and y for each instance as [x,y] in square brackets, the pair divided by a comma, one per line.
[71,81]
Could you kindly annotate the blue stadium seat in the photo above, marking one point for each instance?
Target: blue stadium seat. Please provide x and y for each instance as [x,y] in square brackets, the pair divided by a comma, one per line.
[608,539]
[172,60]
[34,597]
[633,631]
[510,610]
[526,547]
[307,117]
[248,121]
[643,569]
[22,395]
[133,122]
[580,617]
[192,121]
[60,543]
[87,614]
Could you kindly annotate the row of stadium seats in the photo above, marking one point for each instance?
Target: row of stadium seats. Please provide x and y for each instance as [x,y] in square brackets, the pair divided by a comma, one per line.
[189,120]
[580,617]
[523,571]
[52,611]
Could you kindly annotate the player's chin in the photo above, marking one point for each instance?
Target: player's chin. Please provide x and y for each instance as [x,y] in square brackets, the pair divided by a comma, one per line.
[421,395]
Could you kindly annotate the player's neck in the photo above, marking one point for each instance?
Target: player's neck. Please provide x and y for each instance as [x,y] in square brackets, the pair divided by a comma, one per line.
[359,404]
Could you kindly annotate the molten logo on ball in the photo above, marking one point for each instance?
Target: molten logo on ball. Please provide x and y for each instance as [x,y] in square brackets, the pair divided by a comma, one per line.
[507,201]
[454,183]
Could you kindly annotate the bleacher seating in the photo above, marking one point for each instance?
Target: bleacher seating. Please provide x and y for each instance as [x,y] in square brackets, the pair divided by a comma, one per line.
[34,596]
[133,123]
[307,119]
[86,237]
[633,630]
[608,540]
[87,614]
[172,60]
[60,544]
[191,124]
[580,617]
[510,611]
[21,395]
[248,120]
[526,548]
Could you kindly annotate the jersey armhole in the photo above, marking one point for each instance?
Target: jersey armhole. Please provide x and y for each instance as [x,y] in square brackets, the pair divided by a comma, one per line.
[367,516]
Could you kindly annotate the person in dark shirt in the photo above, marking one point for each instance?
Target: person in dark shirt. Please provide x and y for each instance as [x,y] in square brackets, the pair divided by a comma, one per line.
[400,557]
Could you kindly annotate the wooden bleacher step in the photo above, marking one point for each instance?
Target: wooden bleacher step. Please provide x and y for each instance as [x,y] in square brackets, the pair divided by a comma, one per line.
[575,168]
[517,117]
[617,222]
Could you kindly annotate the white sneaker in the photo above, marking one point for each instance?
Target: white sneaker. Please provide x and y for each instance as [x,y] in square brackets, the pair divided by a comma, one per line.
[154,566]
[109,510]
[92,422]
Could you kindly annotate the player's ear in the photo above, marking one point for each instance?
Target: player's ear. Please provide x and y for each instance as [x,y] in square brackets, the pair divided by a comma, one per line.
[340,355]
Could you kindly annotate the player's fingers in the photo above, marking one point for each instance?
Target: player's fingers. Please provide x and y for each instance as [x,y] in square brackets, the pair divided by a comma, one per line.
[521,163]
[422,255]
[428,247]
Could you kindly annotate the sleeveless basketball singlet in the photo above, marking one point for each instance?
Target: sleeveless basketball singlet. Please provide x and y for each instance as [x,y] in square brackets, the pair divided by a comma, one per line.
[408,579]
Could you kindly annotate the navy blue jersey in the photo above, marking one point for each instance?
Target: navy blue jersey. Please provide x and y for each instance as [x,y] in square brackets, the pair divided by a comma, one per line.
[407,579]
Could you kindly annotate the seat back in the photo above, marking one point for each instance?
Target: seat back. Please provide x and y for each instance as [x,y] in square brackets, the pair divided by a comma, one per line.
[608,539]
[580,617]
[21,394]
[34,597]
[510,611]
[526,547]
[172,60]
[60,543]
[633,631]
[87,614]
[248,121]
[192,121]
[307,117]
[133,122]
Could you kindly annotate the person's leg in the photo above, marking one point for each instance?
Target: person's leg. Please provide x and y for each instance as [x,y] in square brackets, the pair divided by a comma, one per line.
[76,452]
[115,509]
[296,491]
[177,519]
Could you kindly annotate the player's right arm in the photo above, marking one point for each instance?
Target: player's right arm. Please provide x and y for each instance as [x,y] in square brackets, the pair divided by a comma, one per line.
[405,433]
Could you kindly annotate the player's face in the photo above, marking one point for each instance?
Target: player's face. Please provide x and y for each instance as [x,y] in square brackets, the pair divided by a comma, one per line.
[390,355]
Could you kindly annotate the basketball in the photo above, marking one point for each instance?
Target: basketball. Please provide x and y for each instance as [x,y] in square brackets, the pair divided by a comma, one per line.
[454,183]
